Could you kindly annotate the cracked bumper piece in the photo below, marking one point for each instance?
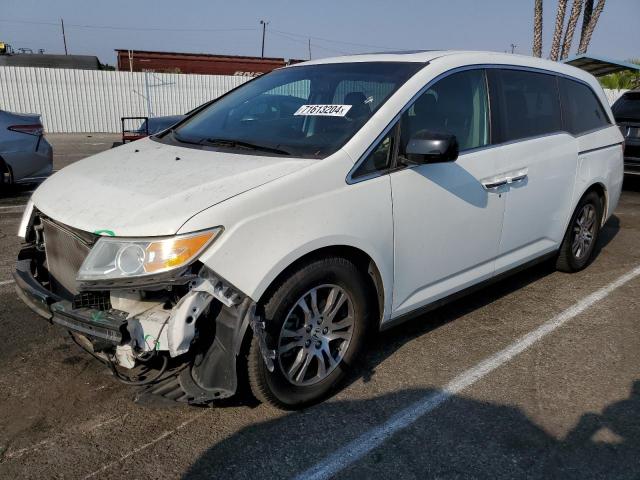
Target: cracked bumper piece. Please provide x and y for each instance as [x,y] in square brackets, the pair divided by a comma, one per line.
[203,332]
[93,323]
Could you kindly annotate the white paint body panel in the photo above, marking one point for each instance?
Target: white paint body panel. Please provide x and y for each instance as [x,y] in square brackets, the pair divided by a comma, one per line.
[150,189]
[447,228]
[277,209]
[538,207]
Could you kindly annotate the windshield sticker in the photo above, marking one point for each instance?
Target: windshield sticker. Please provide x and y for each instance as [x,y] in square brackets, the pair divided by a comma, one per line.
[324,110]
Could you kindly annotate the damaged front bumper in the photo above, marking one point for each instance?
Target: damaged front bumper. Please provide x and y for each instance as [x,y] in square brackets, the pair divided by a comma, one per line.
[202,333]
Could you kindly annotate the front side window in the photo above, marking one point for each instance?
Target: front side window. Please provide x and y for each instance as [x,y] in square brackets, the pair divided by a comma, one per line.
[456,105]
[528,102]
[581,108]
[380,158]
[305,111]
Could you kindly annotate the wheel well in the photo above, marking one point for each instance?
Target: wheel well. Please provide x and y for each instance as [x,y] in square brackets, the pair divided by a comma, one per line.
[362,260]
[602,193]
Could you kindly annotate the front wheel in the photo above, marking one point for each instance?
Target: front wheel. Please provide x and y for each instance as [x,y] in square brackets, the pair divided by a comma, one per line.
[582,234]
[316,321]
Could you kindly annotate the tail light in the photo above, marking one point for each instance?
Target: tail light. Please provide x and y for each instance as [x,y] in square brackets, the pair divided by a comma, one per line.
[30,129]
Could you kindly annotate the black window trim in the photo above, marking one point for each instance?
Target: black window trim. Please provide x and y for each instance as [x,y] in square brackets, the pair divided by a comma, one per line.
[351,179]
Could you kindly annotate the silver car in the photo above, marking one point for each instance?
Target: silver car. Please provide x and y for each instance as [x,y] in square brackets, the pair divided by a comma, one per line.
[25,154]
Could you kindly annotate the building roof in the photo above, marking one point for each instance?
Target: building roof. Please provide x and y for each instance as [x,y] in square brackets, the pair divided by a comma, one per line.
[599,66]
[44,60]
[206,55]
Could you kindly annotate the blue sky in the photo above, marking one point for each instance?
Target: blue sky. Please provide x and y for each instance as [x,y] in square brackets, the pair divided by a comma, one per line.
[335,27]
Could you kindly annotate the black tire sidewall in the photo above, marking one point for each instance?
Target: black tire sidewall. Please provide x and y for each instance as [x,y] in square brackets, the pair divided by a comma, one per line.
[575,263]
[328,271]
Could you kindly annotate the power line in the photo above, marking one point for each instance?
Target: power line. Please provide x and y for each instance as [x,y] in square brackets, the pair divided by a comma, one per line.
[140,29]
[333,50]
[336,41]
[189,29]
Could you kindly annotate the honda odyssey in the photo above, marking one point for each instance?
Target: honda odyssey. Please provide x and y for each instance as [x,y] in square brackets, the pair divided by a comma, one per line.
[262,237]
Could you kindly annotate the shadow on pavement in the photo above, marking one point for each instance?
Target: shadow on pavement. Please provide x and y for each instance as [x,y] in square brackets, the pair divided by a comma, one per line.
[463,438]
[20,190]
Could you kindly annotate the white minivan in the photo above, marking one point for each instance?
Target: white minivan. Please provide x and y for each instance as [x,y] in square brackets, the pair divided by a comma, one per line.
[262,237]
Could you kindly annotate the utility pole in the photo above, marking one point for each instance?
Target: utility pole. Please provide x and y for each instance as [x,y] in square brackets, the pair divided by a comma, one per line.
[64,37]
[513,47]
[309,49]
[264,30]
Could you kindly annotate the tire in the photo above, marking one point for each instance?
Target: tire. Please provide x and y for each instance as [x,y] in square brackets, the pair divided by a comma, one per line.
[5,174]
[333,279]
[569,260]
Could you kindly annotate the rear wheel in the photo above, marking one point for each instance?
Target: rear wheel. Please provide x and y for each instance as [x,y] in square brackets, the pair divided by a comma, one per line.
[580,239]
[316,321]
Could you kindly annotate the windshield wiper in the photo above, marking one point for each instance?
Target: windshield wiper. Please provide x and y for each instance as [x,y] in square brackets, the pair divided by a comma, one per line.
[180,139]
[229,143]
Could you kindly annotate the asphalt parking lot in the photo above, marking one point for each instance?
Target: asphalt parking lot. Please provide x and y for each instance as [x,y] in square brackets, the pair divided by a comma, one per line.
[465,392]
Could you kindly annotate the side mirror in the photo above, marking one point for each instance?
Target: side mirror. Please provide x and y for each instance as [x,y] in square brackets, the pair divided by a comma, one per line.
[431,147]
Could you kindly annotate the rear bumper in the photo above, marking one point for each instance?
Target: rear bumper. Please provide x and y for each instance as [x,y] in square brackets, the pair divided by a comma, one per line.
[95,324]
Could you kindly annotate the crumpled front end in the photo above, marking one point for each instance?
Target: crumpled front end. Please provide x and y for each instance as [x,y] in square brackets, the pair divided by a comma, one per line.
[178,335]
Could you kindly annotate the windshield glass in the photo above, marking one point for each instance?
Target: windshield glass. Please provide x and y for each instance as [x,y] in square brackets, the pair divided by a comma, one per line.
[628,106]
[305,111]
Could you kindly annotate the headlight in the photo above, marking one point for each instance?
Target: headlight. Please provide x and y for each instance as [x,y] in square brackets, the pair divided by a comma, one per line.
[112,258]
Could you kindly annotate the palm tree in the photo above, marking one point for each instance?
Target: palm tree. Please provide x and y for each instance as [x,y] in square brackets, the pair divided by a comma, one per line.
[591,26]
[537,29]
[588,11]
[557,33]
[576,9]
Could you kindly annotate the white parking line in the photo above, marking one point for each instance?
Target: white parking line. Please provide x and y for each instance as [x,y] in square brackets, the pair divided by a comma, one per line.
[369,440]
[6,282]
[166,434]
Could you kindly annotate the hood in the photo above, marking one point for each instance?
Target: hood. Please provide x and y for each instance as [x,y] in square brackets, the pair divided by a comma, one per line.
[146,188]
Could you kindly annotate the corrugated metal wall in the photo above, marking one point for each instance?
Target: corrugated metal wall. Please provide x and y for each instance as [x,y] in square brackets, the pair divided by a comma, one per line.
[94,101]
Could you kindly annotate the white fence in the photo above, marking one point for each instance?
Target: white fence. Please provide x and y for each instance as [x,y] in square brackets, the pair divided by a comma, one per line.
[93,100]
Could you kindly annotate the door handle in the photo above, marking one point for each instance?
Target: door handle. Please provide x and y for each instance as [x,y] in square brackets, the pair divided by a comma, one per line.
[517,178]
[494,184]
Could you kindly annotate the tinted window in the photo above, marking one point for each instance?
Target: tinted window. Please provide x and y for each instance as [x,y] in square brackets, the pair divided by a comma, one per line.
[457,104]
[265,114]
[528,104]
[627,107]
[581,108]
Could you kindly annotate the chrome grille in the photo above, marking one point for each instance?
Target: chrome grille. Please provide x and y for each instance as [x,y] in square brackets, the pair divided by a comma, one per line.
[65,252]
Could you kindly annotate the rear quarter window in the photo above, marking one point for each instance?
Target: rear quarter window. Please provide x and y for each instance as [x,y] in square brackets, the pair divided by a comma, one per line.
[581,109]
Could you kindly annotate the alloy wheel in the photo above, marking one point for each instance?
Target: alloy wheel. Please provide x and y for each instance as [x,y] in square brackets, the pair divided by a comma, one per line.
[584,231]
[316,334]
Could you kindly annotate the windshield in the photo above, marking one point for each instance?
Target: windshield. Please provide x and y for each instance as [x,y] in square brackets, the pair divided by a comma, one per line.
[628,106]
[306,111]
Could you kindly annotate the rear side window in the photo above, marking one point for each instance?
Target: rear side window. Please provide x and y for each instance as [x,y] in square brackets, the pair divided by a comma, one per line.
[528,103]
[581,108]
